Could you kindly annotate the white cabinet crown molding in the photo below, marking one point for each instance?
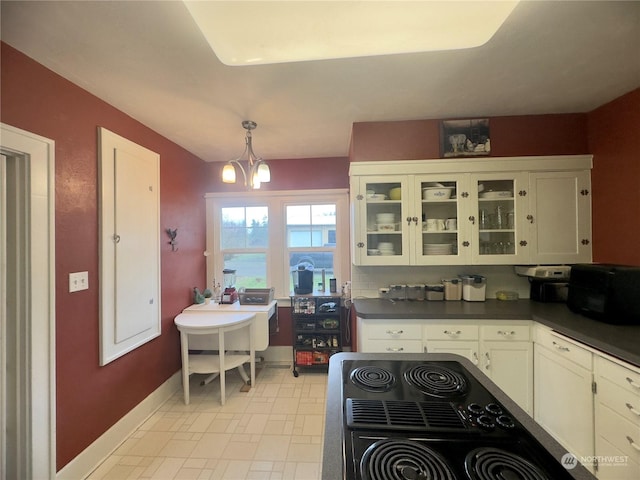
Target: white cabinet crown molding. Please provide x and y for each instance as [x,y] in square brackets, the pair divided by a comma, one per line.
[471,165]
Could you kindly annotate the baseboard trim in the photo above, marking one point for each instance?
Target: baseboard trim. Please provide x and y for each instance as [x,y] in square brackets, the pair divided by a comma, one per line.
[92,456]
[277,354]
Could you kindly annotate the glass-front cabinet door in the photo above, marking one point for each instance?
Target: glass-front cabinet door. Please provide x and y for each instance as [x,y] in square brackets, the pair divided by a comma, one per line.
[499,221]
[443,236]
[382,232]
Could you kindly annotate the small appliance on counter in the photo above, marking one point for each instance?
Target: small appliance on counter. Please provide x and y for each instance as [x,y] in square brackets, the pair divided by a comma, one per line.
[302,277]
[230,294]
[605,292]
[548,283]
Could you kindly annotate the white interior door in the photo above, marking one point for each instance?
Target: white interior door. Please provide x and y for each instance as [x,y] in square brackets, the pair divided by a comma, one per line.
[27,327]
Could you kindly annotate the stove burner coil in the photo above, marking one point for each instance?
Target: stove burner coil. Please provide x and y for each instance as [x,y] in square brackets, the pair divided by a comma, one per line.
[436,381]
[396,459]
[496,464]
[373,379]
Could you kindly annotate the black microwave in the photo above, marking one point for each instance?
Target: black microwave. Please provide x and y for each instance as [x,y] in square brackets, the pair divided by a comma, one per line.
[605,292]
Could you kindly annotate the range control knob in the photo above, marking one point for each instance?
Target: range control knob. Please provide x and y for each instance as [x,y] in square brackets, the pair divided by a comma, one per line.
[493,409]
[475,409]
[505,421]
[486,422]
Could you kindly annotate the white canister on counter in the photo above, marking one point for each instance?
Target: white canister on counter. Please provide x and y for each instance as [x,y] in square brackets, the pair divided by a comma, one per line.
[452,288]
[474,288]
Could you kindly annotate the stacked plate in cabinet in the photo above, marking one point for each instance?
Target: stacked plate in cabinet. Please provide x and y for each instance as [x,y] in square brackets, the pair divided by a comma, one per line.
[438,248]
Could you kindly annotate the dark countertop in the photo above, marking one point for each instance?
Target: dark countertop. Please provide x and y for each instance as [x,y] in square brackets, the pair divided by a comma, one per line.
[332,468]
[620,341]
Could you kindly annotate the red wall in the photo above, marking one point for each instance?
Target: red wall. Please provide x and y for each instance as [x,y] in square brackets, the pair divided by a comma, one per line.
[614,136]
[564,134]
[91,398]
[291,174]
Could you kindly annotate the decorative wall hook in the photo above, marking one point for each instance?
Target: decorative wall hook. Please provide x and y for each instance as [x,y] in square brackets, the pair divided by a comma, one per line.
[173,242]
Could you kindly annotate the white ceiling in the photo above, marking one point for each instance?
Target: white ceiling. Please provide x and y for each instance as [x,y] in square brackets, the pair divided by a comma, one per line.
[150,60]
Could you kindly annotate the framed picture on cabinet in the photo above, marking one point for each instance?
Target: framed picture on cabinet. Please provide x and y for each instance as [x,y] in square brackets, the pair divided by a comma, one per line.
[465,138]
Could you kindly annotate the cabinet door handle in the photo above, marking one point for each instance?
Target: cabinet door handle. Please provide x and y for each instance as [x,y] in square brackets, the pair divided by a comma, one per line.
[449,332]
[633,444]
[395,332]
[505,334]
[632,383]
[408,220]
[632,410]
[530,218]
[562,348]
[397,349]
[472,219]
[475,358]
[488,364]
[415,220]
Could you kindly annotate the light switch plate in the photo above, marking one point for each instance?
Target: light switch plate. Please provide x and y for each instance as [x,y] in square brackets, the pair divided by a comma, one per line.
[78,281]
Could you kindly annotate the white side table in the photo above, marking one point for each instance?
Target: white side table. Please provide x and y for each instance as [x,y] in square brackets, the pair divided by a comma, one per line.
[214,325]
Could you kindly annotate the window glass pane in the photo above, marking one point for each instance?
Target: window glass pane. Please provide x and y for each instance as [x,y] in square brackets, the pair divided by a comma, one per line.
[251,269]
[311,225]
[244,227]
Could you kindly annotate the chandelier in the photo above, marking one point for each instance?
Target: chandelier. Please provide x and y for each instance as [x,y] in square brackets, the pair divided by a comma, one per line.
[255,172]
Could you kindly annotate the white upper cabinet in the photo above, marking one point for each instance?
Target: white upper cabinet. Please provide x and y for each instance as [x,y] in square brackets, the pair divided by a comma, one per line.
[474,211]
[560,217]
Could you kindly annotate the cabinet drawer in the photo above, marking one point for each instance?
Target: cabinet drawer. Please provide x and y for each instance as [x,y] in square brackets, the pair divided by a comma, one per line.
[451,331]
[505,332]
[619,400]
[392,346]
[565,348]
[391,329]
[624,377]
[622,434]
[615,464]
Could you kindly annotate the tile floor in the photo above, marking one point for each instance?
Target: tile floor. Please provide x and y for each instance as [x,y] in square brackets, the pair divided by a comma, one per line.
[273,431]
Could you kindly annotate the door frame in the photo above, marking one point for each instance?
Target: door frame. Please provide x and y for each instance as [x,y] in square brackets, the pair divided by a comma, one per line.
[40,311]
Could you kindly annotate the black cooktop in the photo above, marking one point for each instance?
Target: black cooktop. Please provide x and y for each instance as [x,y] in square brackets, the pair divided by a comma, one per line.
[432,420]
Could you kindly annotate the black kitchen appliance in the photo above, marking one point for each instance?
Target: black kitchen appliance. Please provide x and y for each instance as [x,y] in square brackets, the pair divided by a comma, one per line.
[302,277]
[432,420]
[548,290]
[605,292]
[548,283]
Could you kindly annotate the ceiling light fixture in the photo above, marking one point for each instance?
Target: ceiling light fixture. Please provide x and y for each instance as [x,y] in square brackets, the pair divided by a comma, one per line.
[256,171]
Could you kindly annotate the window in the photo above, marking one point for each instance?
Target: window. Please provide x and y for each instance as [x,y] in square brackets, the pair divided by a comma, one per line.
[309,230]
[244,240]
[264,237]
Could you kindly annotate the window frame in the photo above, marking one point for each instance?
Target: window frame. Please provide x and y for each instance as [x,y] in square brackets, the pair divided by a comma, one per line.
[277,266]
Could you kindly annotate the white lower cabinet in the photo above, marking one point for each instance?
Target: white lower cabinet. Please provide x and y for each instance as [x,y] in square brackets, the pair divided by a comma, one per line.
[503,351]
[617,420]
[459,338]
[506,356]
[563,382]
[389,336]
